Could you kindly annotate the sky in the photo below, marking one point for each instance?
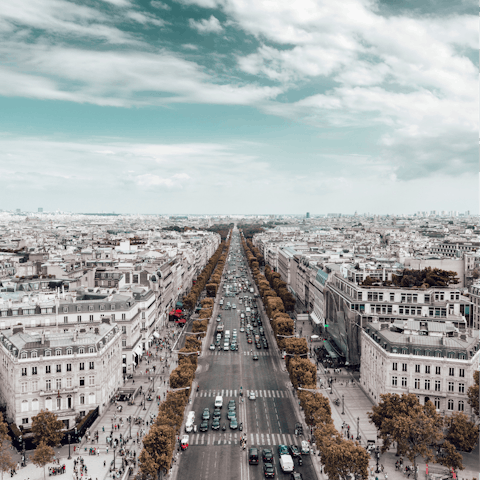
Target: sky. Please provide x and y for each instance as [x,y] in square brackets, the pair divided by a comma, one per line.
[239,106]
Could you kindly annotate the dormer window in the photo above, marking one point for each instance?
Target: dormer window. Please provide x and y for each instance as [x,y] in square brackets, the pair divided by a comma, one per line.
[90,308]
[65,309]
[91,350]
[79,309]
[81,350]
[24,355]
[102,307]
[58,352]
[34,354]
[113,307]
[48,353]
[69,351]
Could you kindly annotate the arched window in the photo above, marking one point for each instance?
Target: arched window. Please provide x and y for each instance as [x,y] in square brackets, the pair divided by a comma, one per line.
[48,403]
[24,354]
[34,354]
[25,406]
[69,351]
[461,406]
[58,352]
[450,404]
[91,398]
[81,350]
[91,350]
[82,399]
[35,404]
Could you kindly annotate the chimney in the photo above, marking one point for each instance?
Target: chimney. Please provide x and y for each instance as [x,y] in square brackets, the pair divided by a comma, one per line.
[463,337]
[42,337]
[17,329]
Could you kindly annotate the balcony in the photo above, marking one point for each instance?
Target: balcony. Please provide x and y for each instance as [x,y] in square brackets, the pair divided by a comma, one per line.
[62,391]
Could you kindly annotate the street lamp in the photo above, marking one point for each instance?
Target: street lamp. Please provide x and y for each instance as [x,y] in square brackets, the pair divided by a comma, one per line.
[69,456]
[144,401]
[114,450]
[358,428]
[343,404]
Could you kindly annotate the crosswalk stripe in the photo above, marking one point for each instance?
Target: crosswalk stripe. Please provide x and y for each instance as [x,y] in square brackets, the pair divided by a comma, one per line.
[269,393]
[258,439]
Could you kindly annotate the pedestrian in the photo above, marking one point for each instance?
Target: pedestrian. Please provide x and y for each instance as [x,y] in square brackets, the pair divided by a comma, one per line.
[381,467]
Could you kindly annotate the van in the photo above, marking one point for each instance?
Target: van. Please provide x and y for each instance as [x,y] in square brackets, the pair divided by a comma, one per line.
[190,421]
[253,456]
[218,401]
[286,462]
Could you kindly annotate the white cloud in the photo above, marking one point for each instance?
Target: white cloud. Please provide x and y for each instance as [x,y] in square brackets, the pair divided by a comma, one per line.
[116,78]
[212,25]
[145,18]
[160,5]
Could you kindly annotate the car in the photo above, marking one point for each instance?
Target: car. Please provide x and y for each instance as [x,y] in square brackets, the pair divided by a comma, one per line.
[265,345]
[232,403]
[216,424]
[294,451]
[226,346]
[255,356]
[282,450]
[295,476]
[217,413]
[206,414]
[212,347]
[231,414]
[268,470]
[267,455]
[233,346]
[219,319]
[257,344]
[249,340]
[204,426]
[305,449]
[233,423]
[251,395]
[234,306]
[242,329]
[298,429]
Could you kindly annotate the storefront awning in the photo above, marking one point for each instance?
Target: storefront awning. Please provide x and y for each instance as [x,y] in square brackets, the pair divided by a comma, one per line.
[138,349]
[156,334]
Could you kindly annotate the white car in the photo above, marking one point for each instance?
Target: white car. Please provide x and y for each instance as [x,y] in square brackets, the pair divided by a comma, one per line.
[234,306]
[252,396]
[212,347]
[242,329]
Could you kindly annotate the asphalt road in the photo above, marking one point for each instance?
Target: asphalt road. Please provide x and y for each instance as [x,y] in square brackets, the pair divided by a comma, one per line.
[268,421]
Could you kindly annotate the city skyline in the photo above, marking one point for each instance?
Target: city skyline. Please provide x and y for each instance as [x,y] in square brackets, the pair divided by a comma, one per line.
[227,106]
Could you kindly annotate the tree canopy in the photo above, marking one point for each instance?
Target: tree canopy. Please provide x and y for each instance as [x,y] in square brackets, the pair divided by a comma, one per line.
[47,428]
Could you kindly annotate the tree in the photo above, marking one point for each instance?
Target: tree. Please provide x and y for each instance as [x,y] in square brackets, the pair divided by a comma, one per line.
[6,461]
[462,433]
[343,458]
[158,445]
[473,393]
[47,428]
[449,457]
[43,454]
[414,427]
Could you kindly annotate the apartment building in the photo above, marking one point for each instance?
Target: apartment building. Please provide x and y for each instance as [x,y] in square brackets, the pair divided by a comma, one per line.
[432,360]
[69,373]
[475,298]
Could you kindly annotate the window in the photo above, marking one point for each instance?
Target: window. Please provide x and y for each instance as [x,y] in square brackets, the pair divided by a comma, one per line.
[25,420]
[417,383]
[69,382]
[35,406]
[81,350]
[59,403]
[392,297]
[450,404]
[69,351]
[451,372]
[91,380]
[59,368]
[91,365]
[90,308]
[48,385]
[404,381]
[91,350]
[65,319]
[102,307]
[48,353]
[461,388]
[438,370]
[69,367]
[436,402]
[417,368]
[90,318]
[427,384]
[427,368]
[34,385]
[48,403]
[113,316]
[58,383]
[124,343]
[451,386]
[461,406]
[82,399]
[437,385]
[79,318]
[394,381]
[394,366]
[404,367]
[124,329]
[34,370]
[82,381]
[82,366]
[34,354]
[124,316]
[24,386]
[24,372]
[48,369]
[461,372]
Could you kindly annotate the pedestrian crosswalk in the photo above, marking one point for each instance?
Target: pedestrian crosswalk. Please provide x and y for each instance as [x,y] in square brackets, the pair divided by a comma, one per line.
[260,353]
[246,393]
[233,438]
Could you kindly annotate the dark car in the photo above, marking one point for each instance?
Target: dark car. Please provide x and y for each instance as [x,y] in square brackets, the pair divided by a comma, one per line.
[216,424]
[265,345]
[267,455]
[295,452]
[268,470]
[206,414]
[258,345]
[283,450]
[204,426]
[217,413]
[232,403]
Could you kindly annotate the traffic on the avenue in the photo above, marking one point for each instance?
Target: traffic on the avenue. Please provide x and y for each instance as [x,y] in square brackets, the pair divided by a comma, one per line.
[242,421]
